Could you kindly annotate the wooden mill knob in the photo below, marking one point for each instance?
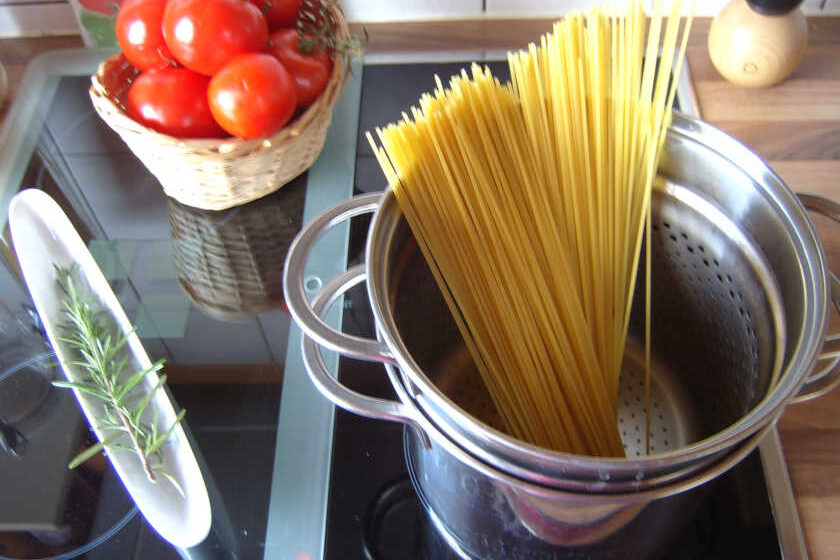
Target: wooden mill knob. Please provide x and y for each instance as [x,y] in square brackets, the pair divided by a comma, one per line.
[758,43]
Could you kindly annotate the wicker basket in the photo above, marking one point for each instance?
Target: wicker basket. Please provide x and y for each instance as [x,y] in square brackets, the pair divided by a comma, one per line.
[230,263]
[219,174]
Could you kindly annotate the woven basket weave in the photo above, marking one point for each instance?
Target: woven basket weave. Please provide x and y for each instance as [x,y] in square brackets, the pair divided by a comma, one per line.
[218,174]
[230,263]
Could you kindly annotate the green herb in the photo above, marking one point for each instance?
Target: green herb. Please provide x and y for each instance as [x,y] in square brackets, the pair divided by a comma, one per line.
[102,356]
[317,30]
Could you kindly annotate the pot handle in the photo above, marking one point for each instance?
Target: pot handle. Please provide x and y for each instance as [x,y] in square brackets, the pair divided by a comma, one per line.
[295,286]
[329,386]
[826,377]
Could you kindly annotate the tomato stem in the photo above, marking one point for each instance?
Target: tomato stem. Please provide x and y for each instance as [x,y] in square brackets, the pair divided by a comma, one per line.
[316,31]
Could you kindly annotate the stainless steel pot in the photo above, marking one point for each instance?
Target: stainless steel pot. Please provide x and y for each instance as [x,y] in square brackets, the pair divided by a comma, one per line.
[741,298]
[487,517]
[487,514]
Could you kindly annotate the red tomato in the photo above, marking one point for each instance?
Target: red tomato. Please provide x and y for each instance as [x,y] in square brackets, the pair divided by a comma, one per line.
[310,71]
[279,13]
[204,35]
[252,96]
[173,101]
[139,33]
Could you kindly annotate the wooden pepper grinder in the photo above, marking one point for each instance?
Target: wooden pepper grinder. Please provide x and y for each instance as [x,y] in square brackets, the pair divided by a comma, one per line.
[758,43]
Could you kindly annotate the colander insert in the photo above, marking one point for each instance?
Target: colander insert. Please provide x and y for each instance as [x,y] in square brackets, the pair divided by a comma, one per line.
[717,330]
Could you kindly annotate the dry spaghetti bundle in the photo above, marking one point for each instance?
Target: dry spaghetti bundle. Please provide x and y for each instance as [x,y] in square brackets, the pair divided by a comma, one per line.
[529,200]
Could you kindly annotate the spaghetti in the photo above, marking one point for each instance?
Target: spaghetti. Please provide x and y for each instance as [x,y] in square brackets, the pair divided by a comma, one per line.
[530,201]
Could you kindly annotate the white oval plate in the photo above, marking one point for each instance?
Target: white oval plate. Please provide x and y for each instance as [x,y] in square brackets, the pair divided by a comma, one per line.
[43,238]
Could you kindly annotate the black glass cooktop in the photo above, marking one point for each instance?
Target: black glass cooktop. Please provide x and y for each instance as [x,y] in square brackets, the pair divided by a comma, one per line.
[289,478]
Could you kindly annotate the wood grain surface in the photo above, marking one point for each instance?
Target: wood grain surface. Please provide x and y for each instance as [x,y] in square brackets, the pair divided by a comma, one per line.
[794,126]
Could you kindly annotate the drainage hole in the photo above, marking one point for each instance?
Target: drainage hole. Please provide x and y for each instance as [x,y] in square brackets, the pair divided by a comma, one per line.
[312,284]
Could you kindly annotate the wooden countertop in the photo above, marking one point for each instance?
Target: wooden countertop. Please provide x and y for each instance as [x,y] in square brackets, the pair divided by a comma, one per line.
[795,126]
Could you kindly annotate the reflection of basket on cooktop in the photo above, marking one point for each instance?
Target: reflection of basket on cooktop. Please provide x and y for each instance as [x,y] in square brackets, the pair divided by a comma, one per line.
[230,263]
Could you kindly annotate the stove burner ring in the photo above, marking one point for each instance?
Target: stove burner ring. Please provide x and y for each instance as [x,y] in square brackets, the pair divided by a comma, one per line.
[396,505]
[386,504]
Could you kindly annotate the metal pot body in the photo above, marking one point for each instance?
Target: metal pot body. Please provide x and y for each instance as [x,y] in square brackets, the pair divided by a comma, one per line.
[741,295]
[486,518]
[486,513]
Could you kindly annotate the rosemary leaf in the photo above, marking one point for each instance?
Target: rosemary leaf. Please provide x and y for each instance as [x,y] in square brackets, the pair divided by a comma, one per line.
[170,478]
[153,431]
[162,438]
[110,424]
[147,398]
[87,389]
[88,453]
[85,455]
[135,379]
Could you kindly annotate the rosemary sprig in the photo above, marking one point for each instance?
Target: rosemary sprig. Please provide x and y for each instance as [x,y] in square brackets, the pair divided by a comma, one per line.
[101,355]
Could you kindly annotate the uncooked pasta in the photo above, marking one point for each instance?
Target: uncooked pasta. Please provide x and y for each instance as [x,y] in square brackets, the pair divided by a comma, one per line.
[530,201]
